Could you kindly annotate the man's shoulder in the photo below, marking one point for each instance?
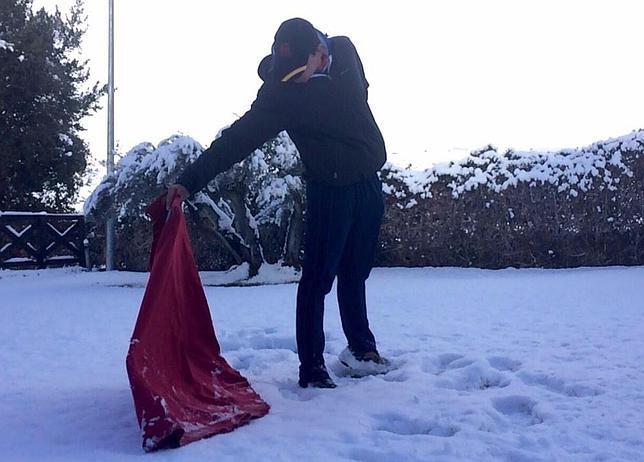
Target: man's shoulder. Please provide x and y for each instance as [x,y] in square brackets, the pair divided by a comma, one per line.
[344,55]
[343,49]
[341,42]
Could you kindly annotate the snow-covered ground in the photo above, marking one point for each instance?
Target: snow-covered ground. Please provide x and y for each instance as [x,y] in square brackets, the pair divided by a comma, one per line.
[511,365]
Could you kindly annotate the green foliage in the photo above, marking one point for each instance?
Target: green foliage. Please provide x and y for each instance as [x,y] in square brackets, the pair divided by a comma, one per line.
[43,98]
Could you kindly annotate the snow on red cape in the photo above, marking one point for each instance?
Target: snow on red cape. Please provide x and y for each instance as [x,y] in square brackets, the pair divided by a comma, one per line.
[183,389]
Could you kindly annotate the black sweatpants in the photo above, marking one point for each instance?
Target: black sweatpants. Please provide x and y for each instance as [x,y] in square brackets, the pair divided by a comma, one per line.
[341,236]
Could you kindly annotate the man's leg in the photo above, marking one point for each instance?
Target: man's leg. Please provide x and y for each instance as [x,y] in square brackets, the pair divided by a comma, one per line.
[328,221]
[356,263]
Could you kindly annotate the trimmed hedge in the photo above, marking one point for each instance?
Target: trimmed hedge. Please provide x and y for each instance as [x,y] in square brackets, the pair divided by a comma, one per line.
[572,208]
[580,207]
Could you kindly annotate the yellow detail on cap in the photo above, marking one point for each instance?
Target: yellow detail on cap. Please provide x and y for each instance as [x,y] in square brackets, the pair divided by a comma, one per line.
[288,76]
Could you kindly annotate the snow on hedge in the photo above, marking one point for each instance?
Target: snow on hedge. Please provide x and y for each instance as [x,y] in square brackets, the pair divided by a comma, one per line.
[145,161]
[571,170]
[255,209]
[6,45]
[250,207]
[161,165]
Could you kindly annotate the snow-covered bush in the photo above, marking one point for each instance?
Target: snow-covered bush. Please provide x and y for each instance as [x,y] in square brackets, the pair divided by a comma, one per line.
[491,209]
[569,208]
[252,213]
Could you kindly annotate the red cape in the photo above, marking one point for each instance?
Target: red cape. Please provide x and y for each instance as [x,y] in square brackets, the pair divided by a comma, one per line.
[183,389]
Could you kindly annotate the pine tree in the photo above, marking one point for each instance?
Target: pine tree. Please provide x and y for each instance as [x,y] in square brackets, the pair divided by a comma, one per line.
[43,97]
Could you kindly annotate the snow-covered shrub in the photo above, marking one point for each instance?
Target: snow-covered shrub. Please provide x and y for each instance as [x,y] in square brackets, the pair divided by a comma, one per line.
[251,213]
[569,208]
[491,209]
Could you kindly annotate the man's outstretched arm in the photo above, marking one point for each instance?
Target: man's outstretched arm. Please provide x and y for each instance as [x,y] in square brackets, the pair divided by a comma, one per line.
[260,124]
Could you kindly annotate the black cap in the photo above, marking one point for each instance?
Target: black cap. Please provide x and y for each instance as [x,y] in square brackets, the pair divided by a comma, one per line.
[295,40]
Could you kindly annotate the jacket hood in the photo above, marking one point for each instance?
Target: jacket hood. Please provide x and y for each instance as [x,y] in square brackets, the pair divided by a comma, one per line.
[263,70]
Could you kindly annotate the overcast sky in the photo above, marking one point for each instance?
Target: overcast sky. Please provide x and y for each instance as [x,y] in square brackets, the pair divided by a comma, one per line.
[446,77]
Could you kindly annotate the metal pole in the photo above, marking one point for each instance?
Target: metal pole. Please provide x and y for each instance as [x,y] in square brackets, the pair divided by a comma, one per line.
[109,224]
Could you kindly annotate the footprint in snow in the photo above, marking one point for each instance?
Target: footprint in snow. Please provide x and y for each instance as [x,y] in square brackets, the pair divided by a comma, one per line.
[460,373]
[251,360]
[257,341]
[459,364]
[503,363]
[396,376]
[438,364]
[255,338]
[477,375]
[520,409]
[446,359]
[403,425]
[241,362]
[558,385]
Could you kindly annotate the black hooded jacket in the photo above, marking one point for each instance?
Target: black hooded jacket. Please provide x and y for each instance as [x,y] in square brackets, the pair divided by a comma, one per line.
[328,118]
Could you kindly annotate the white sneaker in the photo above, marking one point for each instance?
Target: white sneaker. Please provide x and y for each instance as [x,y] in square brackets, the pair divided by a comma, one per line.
[363,364]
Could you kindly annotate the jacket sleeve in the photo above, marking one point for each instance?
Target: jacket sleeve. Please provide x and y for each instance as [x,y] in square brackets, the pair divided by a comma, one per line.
[262,122]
